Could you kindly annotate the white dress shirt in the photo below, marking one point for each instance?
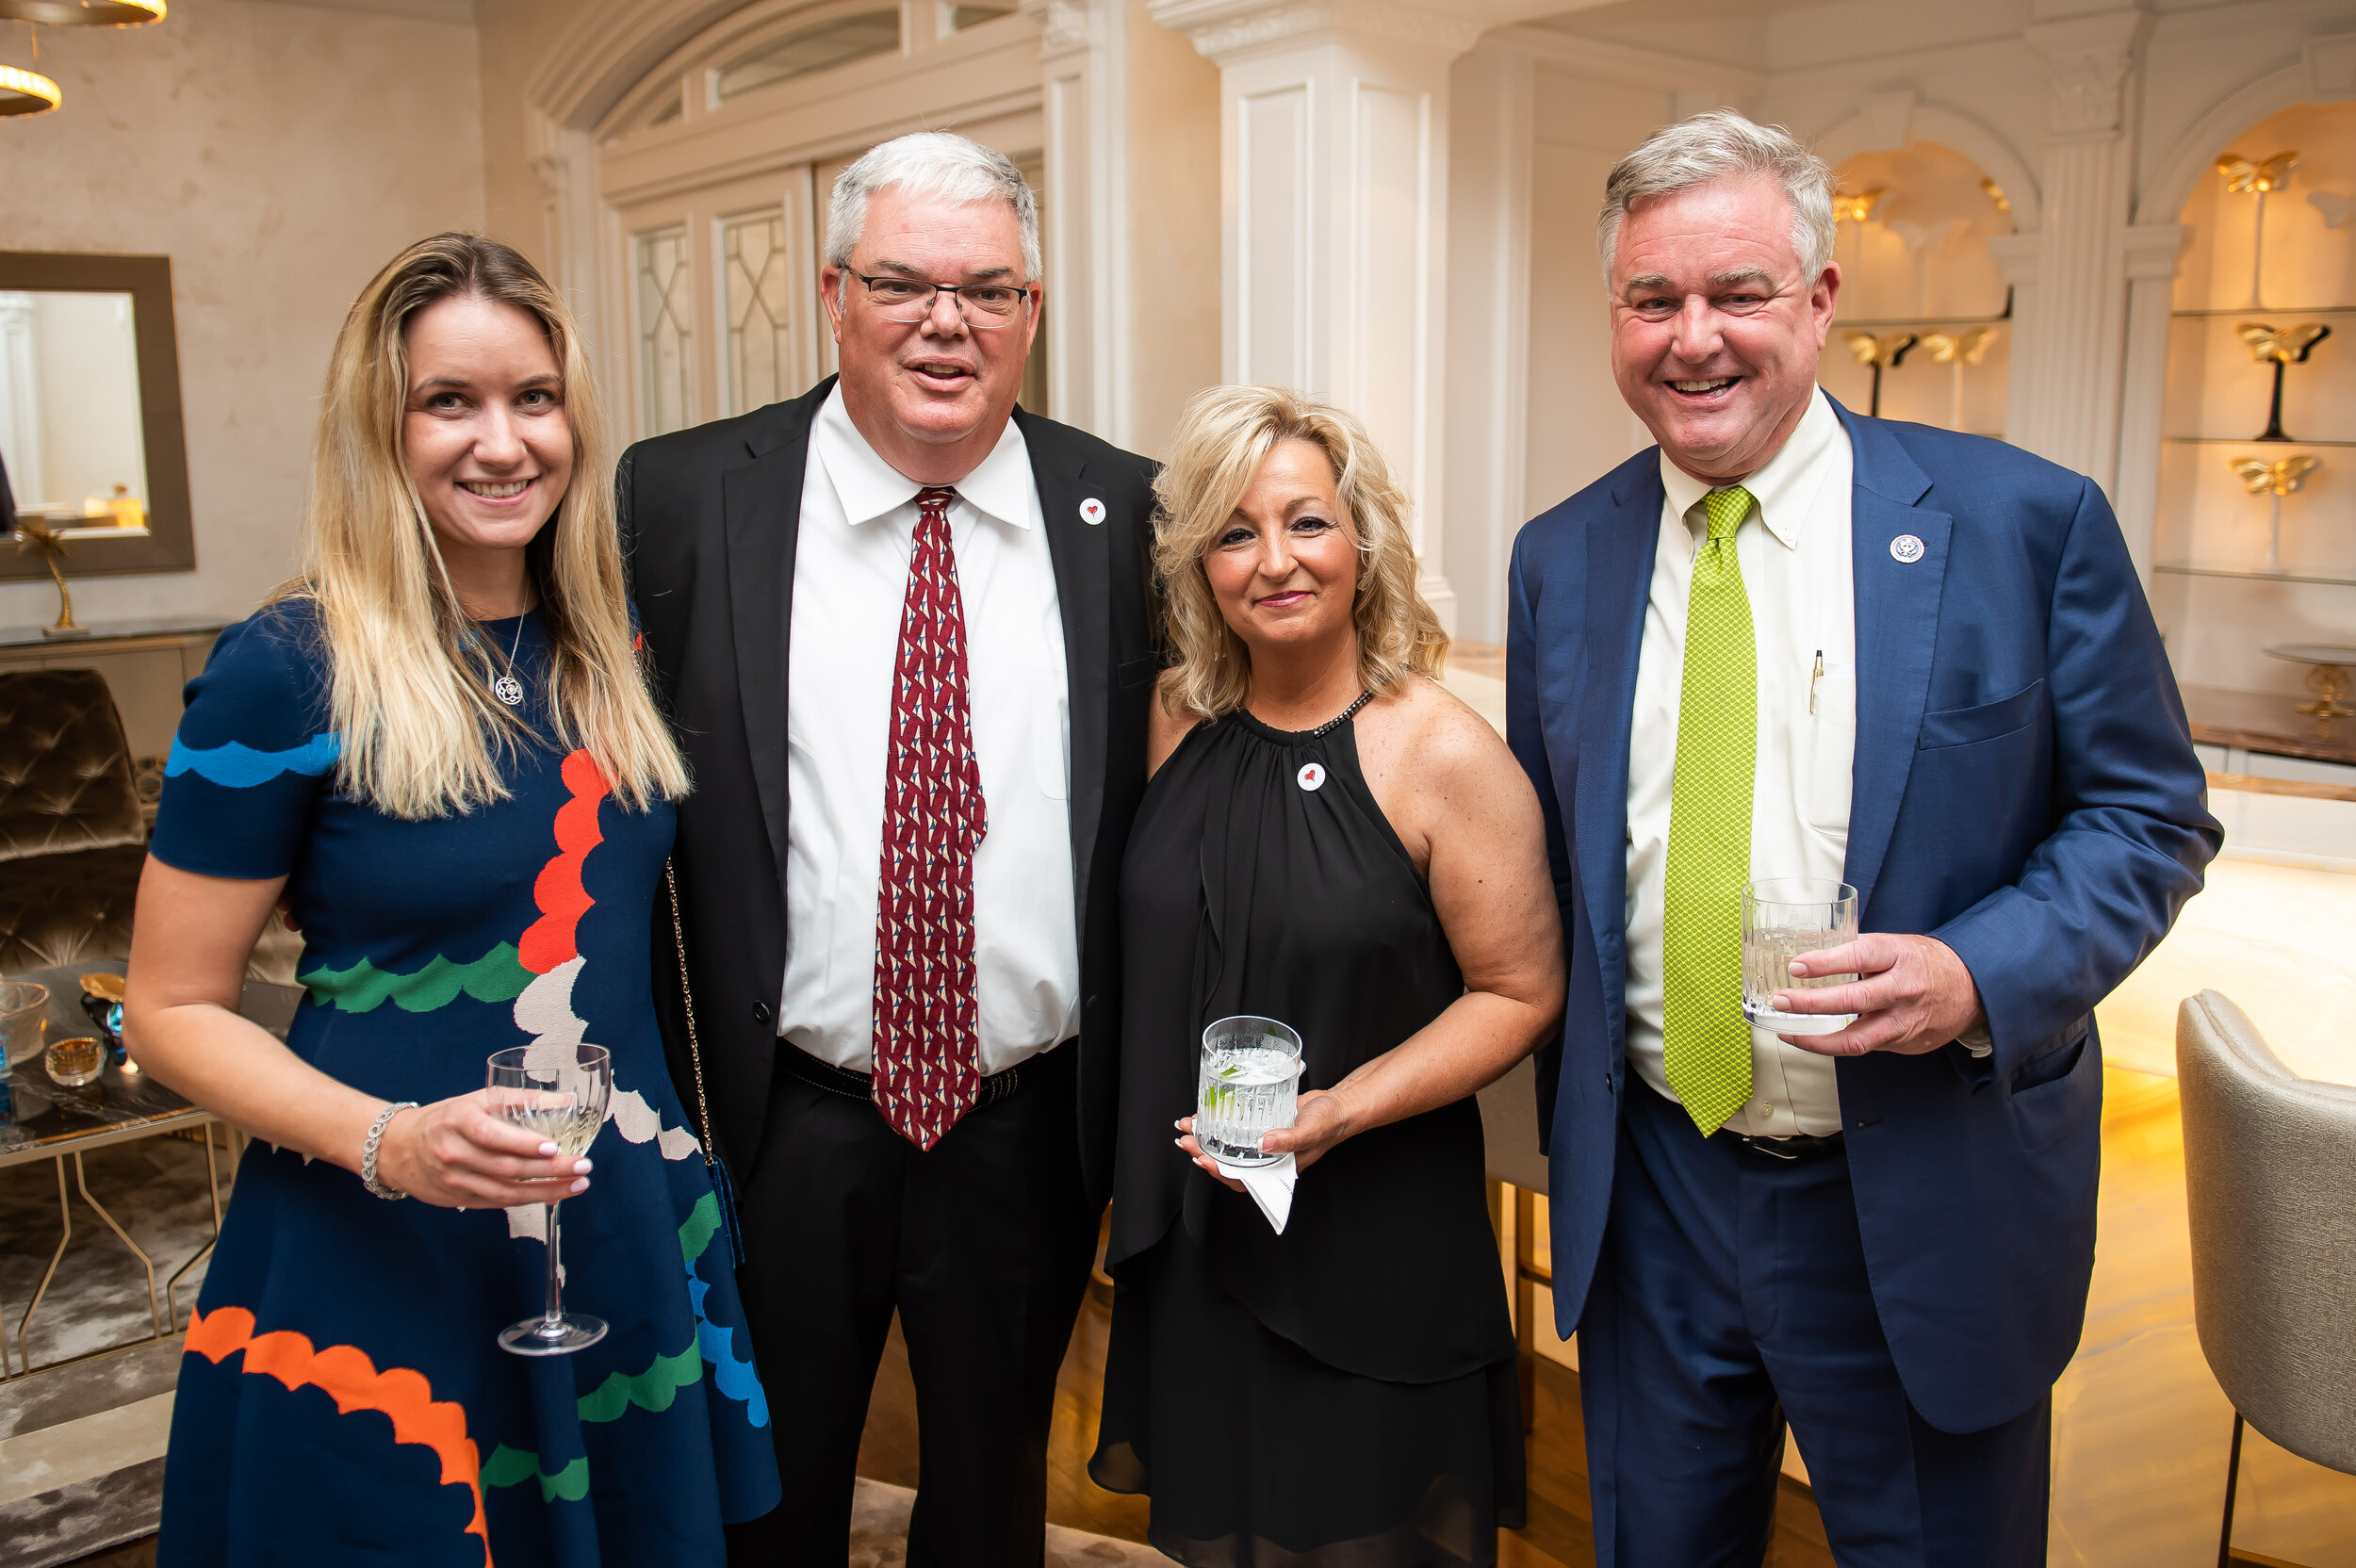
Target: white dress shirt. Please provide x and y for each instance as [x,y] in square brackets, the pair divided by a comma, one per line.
[1799,575]
[850,579]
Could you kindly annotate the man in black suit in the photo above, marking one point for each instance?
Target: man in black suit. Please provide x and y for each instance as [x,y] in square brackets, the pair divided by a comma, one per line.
[922,617]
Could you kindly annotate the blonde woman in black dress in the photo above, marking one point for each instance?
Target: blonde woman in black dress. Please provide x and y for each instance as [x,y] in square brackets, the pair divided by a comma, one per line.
[1333,839]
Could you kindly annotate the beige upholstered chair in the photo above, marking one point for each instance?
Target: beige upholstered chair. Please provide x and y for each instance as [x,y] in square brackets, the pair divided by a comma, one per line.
[2271,1172]
[1509,1128]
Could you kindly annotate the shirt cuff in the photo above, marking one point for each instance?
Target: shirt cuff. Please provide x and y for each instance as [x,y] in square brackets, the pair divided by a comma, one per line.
[1976,1039]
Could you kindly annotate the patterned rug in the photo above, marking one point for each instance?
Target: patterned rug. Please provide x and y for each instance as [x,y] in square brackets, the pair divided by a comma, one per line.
[81,1446]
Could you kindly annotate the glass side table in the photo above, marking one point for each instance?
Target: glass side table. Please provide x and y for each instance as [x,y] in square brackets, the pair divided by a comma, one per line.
[64,1125]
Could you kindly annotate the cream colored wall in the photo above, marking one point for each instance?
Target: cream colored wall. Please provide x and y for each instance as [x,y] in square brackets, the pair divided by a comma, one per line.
[279,153]
[1174,235]
[513,37]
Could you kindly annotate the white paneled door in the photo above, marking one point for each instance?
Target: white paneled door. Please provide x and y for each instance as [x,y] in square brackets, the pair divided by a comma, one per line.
[724,309]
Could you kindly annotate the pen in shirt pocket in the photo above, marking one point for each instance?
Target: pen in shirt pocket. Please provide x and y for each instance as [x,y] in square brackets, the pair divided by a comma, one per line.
[1814,678]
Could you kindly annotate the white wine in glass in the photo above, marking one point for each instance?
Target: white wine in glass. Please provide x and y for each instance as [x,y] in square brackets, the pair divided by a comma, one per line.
[560,1092]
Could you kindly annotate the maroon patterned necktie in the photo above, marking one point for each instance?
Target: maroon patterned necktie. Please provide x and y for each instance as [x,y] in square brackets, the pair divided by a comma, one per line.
[927,1038]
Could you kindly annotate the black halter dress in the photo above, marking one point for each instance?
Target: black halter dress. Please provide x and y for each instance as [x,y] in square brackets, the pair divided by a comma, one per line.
[1342,1395]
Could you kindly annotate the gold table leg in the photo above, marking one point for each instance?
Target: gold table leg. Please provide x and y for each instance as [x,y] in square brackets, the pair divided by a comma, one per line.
[65,1215]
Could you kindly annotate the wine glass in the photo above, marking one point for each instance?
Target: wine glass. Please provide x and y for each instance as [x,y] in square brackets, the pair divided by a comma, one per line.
[560,1092]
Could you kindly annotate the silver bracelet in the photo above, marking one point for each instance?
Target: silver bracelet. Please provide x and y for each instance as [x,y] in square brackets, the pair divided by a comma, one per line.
[376,1136]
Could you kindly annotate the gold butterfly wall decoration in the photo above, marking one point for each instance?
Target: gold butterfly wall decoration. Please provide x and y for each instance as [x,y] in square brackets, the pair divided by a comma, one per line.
[2281,477]
[2282,345]
[2258,176]
[1968,348]
[1882,352]
[1856,207]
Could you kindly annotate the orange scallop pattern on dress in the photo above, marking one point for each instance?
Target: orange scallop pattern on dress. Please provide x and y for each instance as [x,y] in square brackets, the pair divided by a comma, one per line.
[561,897]
[347,1375]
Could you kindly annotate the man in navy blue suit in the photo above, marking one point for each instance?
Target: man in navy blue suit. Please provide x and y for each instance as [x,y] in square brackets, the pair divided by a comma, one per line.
[1790,642]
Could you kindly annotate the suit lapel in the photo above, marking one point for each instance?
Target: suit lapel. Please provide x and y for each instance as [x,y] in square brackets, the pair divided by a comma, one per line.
[763,505]
[1619,575]
[1082,594]
[1897,621]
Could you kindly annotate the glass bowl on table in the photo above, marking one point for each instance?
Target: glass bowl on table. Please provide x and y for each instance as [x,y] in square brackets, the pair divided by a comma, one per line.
[22,1004]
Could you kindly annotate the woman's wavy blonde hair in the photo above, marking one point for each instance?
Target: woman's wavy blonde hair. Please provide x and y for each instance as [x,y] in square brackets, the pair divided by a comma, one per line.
[1224,434]
[411,691]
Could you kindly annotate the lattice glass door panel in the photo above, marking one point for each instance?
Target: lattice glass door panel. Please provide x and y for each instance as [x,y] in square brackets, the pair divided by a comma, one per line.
[665,346]
[755,275]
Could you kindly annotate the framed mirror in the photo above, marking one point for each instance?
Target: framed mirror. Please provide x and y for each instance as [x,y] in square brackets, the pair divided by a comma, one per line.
[90,435]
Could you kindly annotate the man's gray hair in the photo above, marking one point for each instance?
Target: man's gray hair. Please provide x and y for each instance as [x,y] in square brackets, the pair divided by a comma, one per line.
[939,164]
[1721,144]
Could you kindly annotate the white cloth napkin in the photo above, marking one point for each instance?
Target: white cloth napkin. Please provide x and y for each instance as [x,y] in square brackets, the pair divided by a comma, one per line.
[1270,1185]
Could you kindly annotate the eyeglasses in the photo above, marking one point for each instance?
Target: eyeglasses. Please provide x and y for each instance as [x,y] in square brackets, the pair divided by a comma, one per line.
[911,300]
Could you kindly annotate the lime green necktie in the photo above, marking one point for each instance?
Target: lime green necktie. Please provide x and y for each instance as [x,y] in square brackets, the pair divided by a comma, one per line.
[1705,1040]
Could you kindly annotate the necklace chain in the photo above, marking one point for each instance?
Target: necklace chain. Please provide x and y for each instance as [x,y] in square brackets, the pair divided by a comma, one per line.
[507,686]
[1343,717]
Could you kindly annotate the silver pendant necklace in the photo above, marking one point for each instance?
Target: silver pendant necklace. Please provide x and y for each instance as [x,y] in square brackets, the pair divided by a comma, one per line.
[506,687]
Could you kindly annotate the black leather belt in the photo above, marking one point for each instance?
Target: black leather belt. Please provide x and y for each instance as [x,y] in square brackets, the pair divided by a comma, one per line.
[1801,1146]
[799,1064]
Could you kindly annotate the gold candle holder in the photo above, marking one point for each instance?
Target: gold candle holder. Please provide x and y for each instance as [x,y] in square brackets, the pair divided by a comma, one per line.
[34,534]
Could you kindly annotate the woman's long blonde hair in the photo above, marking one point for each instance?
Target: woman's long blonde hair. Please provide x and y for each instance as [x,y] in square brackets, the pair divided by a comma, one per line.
[1224,434]
[411,694]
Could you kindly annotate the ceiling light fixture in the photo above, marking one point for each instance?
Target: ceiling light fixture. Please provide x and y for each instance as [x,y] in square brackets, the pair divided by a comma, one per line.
[84,13]
[23,93]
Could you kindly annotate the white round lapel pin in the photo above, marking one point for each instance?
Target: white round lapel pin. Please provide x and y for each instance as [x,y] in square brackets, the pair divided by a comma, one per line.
[1091,511]
[1905,549]
[1312,777]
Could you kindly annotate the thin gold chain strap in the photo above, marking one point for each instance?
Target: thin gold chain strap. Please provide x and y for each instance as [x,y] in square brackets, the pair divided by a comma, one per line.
[687,998]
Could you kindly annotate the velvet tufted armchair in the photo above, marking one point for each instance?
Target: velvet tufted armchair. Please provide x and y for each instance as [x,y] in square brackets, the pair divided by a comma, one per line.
[71,841]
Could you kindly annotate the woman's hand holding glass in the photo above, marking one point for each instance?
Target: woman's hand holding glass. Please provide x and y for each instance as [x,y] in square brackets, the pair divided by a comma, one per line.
[455,1153]
[1323,1120]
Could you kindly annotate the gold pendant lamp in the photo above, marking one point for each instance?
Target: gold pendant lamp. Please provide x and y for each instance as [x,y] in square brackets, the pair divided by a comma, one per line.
[30,92]
[25,91]
[83,13]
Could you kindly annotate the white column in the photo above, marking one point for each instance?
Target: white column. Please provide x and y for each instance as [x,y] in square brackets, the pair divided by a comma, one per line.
[2151,252]
[571,254]
[1333,179]
[1486,380]
[2067,352]
[2017,255]
[1082,60]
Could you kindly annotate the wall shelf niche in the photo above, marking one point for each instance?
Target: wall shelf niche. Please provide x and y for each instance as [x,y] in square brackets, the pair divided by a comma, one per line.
[1913,247]
[2231,578]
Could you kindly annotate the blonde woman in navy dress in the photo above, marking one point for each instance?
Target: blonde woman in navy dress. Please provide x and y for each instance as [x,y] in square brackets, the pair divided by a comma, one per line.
[437,747]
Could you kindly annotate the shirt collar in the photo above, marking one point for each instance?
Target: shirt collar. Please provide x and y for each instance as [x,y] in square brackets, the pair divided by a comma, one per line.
[869,487]
[1786,488]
